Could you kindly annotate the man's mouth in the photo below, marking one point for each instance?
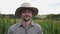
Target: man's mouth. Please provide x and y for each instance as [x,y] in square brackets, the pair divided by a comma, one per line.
[26,16]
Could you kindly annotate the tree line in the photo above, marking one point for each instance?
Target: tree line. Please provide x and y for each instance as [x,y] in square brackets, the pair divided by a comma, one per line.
[50,16]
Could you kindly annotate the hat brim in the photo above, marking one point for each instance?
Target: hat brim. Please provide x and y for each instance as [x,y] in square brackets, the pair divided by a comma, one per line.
[18,11]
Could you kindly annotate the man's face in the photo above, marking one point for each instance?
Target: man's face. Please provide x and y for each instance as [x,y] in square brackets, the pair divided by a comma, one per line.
[26,15]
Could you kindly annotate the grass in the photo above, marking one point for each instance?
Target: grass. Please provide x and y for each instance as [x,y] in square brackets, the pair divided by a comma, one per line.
[48,26]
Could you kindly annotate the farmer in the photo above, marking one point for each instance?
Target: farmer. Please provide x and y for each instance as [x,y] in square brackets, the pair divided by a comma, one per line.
[26,25]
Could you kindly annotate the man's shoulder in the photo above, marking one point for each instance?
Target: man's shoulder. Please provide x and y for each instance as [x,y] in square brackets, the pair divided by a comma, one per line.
[13,26]
[38,28]
[37,25]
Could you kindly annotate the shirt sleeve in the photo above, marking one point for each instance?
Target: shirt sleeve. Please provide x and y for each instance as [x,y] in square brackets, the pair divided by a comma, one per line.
[10,31]
[40,30]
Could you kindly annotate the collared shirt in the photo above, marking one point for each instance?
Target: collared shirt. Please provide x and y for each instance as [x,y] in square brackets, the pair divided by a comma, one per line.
[18,28]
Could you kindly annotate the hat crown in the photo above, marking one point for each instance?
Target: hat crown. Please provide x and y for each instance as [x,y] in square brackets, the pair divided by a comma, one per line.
[26,5]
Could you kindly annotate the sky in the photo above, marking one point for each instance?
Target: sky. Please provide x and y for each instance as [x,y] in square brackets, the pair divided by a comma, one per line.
[45,6]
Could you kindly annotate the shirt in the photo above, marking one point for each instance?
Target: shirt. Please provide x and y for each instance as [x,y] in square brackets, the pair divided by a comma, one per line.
[17,28]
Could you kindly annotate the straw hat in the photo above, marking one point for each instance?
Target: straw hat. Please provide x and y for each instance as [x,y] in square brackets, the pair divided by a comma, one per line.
[26,6]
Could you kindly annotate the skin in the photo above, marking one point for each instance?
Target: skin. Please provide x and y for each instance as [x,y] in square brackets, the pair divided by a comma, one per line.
[26,17]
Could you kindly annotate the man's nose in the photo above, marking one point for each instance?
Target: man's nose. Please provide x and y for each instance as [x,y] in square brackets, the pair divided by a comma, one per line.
[27,13]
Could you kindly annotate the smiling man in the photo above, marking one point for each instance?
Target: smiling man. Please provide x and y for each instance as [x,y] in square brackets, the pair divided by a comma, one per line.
[26,26]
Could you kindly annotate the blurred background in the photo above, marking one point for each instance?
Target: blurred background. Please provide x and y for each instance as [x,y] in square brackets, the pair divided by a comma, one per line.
[48,16]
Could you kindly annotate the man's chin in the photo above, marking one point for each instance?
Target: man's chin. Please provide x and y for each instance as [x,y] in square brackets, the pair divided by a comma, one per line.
[26,20]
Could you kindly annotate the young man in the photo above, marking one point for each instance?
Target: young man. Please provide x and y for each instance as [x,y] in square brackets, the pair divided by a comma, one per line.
[26,25]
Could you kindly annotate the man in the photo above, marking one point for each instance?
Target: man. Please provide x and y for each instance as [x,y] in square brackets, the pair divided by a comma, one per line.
[26,25]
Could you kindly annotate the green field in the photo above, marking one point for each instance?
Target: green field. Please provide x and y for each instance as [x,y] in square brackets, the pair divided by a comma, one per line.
[49,26]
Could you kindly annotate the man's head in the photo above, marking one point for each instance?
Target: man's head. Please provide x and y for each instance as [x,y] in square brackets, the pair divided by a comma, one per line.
[26,11]
[26,14]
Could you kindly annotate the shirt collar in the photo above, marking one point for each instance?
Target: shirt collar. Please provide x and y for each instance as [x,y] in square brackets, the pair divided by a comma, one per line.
[20,24]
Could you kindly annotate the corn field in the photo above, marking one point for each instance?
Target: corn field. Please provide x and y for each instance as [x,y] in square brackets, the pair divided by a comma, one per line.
[49,26]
